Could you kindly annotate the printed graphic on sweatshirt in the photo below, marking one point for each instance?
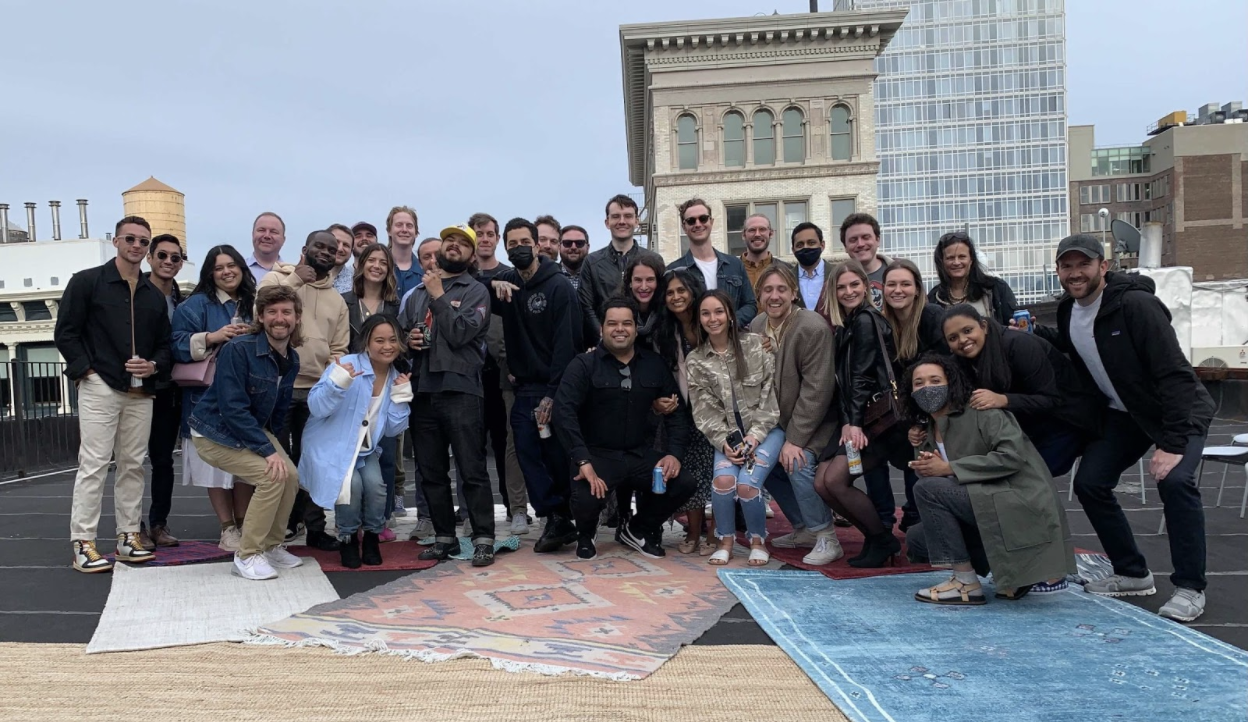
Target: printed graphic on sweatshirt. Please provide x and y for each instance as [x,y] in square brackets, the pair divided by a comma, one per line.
[537,303]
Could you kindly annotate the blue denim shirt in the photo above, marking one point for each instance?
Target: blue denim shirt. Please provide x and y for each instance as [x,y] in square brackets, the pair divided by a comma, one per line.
[201,313]
[731,278]
[247,395]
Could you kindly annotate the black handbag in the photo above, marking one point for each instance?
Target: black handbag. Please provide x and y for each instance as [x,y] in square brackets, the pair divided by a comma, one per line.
[883,411]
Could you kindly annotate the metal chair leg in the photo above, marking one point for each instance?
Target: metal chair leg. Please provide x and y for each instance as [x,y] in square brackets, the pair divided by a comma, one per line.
[1243,502]
[1143,483]
[1221,486]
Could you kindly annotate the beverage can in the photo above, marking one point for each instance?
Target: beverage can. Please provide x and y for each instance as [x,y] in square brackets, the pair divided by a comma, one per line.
[236,320]
[425,341]
[1022,320]
[660,484]
[135,381]
[543,430]
[854,458]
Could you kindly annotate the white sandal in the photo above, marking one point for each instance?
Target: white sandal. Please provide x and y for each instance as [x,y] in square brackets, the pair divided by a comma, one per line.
[720,557]
[758,557]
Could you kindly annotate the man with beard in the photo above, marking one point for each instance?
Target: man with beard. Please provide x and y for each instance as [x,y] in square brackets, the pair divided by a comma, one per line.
[547,237]
[603,271]
[235,427]
[1119,336]
[344,268]
[365,235]
[573,250]
[860,235]
[268,235]
[326,332]
[452,310]
[542,329]
[603,418]
[757,257]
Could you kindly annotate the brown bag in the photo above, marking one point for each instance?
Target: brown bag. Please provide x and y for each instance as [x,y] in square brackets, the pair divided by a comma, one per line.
[883,411]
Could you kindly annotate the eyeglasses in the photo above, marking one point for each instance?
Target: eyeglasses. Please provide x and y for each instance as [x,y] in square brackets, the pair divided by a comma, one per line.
[703,219]
[574,243]
[131,240]
[626,382]
[165,256]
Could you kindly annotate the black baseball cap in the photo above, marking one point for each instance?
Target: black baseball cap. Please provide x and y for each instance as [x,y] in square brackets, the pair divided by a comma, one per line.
[1082,242]
[363,226]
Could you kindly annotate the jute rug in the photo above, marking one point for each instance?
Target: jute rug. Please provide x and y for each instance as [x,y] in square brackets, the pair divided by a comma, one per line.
[198,603]
[244,683]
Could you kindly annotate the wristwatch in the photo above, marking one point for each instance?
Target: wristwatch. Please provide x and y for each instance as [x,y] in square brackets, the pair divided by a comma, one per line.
[583,462]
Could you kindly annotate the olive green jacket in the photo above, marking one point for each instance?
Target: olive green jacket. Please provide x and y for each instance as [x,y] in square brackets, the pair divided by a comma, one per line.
[1017,510]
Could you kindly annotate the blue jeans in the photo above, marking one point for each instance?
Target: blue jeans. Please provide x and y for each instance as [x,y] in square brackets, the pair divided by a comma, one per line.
[746,487]
[368,500]
[546,467]
[795,493]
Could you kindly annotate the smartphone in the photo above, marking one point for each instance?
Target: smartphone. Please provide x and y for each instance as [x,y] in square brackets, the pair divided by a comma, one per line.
[735,440]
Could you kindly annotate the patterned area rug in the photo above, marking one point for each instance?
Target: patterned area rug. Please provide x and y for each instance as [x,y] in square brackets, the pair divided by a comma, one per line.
[188,552]
[1064,656]
[620,616]
[395,556]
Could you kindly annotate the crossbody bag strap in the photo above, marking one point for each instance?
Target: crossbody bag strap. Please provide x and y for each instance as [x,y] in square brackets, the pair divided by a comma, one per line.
[888,362]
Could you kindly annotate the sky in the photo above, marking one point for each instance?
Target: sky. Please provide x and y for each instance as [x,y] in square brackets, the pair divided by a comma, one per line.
[335,111]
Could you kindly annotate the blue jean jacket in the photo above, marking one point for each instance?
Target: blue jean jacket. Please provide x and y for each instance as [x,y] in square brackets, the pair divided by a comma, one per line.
[331,436]
[731,278]
[247,396]
[201,313]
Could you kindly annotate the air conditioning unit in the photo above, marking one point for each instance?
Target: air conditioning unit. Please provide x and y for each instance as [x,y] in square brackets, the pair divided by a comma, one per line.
[1221,357]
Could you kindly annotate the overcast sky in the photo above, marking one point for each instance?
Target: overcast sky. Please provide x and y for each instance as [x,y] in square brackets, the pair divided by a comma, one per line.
[335,111]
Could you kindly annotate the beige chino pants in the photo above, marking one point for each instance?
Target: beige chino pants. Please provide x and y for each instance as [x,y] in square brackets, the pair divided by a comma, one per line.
[264,527]
[110,423]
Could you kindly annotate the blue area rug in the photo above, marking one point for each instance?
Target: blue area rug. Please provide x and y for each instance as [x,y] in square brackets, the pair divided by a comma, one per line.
[881,656]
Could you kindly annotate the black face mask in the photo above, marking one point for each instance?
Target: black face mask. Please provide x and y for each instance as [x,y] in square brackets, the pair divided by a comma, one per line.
[454,267]
[521,256]
[808,256]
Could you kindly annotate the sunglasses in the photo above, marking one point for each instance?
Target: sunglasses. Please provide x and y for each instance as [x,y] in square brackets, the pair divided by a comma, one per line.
[165,256]
[703,219]
[574,243]
[131,240]
[626,382]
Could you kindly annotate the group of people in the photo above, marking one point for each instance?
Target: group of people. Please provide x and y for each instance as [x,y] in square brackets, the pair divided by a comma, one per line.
[613,387]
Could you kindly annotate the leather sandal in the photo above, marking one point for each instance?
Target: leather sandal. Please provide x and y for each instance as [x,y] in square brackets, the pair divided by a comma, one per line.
[707,548]
[720,557]
[759,556]
[953,593]
[690,546]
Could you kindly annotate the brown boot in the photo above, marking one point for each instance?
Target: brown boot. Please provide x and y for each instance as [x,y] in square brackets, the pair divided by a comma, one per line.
[160,534]
[145,540]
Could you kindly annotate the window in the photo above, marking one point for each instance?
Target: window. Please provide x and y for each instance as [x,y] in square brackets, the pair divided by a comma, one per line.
[734,140]
[841,208]
[687,142]
[792,212]
[36,311]
[1085,195]
[7,314]
[794,136]
[842,136]
[735,225]
[764,138]
[1089,222]
[56,281]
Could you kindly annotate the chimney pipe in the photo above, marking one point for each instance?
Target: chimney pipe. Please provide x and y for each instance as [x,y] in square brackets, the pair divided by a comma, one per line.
[4,222]
[814,6]
[56,219]
[82,217]
[30,220]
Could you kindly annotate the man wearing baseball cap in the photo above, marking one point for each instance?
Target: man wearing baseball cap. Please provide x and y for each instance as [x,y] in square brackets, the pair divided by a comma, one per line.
[365,234]
[1118,333]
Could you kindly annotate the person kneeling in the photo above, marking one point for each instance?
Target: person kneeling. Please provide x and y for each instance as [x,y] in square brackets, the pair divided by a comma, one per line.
[602,415]
[358,401]
[984,493]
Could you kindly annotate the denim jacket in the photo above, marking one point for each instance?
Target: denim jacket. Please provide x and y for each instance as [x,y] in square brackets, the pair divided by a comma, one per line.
[195,318]
[331,437]
[247,395]
[731,278]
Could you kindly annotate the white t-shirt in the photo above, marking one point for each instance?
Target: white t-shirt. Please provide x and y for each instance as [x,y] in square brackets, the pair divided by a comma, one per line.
[709,269]
[1082,319]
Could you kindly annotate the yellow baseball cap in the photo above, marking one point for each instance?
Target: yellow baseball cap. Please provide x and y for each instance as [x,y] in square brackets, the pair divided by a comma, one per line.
[462,230]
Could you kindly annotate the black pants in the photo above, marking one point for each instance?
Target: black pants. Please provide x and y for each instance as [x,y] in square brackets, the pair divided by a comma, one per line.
[455,419]
[495,425]
[1119,448]
[312,516]
[632,470]
[166,421]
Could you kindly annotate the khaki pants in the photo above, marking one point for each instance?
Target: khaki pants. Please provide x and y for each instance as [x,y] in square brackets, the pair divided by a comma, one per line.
[110,423]
[517,492]
[264,528]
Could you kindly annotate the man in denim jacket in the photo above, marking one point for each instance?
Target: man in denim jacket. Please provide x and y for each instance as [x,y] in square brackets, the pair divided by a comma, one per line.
[720,270]
[235,427]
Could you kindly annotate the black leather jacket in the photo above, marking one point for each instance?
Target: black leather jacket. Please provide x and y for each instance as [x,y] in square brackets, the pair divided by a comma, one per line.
[861,371]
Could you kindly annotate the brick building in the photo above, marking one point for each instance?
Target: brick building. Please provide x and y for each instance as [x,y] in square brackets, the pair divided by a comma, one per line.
[1191,176]
[770,114]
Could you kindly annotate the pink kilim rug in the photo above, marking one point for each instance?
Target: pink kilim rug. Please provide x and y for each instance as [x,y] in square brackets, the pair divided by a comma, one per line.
[620,616]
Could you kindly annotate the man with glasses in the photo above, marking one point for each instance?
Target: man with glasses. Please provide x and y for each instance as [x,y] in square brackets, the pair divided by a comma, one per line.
[112,328]
[165,257]
[574,247]
[603,271]
[720,270]
[268,235]
[757,257]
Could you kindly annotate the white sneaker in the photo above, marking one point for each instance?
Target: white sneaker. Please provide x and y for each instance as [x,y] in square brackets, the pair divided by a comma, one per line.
[231,539]
[254,568]
[827,549]
[282,559]
[794,539]
[519,524]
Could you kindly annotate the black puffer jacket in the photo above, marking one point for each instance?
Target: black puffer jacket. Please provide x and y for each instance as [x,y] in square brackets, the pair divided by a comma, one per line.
[1147,367]
[861,371]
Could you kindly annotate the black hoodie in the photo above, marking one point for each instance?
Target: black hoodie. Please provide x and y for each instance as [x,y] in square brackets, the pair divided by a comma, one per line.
[1141,353]
[541,327]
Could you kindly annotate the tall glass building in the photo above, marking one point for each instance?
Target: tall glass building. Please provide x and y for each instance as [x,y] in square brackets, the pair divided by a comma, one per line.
[970,109]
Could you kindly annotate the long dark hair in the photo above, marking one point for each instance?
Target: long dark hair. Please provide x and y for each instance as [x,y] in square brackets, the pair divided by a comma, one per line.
[990,369]
[669,330]
[389,287]
[977,279]
[654,263]
[370,324]
[734,336]
[246,287]
[959,387]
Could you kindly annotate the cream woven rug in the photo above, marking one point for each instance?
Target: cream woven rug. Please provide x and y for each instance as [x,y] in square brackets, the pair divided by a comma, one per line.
[241,683]
[198,603]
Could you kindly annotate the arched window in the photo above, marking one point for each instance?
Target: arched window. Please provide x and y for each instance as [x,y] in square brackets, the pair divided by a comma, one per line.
[734,140]
[764,138]
[687,142]
[842,133]
[794,137]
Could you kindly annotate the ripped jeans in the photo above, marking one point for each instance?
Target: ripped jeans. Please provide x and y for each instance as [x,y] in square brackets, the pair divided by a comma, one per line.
[731,483]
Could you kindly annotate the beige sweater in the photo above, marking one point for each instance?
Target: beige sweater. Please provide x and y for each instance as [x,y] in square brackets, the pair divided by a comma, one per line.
[324,325]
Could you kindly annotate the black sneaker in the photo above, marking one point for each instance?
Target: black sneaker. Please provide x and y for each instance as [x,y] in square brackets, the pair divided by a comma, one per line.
[586,550]
[321,540]
[641,543]
[482,555]
[558,533]
[291,533]
[440,551]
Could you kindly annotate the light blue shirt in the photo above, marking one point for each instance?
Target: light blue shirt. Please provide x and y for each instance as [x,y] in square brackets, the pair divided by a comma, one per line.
[811,284]
[256,269]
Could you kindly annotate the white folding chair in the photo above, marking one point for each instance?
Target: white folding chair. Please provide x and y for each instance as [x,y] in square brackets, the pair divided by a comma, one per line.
[1070,493]
[1225,455]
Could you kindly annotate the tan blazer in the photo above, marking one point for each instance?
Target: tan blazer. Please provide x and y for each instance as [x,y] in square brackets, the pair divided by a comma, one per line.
[805,379]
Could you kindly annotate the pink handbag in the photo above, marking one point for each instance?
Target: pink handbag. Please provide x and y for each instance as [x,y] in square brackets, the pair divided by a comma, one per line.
[196,374]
